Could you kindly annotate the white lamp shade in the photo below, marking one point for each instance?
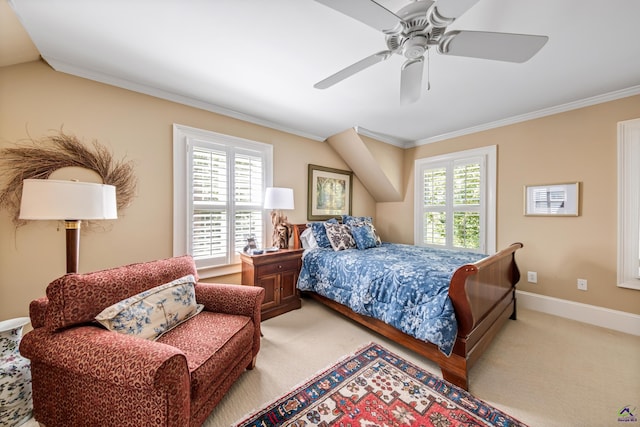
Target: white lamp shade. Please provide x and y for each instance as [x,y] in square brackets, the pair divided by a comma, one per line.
[278,198]
[48,199]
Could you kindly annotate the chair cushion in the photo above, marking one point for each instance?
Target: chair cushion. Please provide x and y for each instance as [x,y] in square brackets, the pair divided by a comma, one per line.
[153,312]
[78,298]
[213,343]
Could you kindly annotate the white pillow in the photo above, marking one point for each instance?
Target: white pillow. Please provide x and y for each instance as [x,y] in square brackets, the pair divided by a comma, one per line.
[153,312]
[307,239]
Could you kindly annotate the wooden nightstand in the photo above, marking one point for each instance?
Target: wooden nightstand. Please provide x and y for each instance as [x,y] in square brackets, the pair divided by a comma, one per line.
[277,272]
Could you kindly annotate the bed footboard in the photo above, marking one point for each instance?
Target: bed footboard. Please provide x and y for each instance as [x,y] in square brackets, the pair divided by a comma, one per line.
[484,298]
[476,289]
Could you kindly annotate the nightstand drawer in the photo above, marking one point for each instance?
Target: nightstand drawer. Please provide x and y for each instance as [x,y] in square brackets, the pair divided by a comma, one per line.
[277,267]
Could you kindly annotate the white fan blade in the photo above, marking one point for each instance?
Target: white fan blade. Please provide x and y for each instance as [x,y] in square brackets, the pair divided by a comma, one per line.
[367,12]
[411,81]
[487,45]
[453,9]
[352,69]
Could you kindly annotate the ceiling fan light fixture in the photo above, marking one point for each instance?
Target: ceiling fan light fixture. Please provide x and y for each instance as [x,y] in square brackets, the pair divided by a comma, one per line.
[415,47]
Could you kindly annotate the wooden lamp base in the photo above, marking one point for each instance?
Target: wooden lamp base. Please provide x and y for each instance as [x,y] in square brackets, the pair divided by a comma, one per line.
[72,228]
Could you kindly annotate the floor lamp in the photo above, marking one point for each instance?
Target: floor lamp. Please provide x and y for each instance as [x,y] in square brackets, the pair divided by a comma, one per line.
[278,198]
[71,202]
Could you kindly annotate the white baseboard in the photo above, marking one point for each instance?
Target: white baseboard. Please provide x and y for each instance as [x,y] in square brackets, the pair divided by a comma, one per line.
[599,316]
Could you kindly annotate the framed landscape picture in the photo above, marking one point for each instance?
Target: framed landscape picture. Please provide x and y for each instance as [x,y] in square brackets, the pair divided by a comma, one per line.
[329,194]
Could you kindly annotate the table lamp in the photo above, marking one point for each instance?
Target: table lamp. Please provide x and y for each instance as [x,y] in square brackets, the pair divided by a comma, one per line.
[70,201]
[277,199]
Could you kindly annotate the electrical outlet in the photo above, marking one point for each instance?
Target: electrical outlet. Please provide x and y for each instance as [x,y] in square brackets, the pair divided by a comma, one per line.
[532,277]
[582,284]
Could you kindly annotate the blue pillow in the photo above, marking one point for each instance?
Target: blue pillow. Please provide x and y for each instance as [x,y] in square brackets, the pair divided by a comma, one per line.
[356,221]
[320,233]
[353,220]
[364,237]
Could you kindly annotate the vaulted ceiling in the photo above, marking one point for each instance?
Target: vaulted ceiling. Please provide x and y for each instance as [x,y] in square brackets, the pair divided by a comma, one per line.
[259,60]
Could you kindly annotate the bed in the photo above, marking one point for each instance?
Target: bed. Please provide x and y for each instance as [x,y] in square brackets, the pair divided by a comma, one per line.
[471,298]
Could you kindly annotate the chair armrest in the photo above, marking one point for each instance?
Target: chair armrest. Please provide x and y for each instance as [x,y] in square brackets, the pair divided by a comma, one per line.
[38,311]
[230,299]
[107,356]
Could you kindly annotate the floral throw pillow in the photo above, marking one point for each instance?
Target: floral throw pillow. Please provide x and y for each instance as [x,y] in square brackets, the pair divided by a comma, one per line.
[350,220]
[340,236]
[364,236]
[320,233]
[355,221]
[153,312]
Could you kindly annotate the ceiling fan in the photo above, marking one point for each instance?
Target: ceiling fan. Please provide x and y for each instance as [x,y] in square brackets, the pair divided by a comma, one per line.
[420,25]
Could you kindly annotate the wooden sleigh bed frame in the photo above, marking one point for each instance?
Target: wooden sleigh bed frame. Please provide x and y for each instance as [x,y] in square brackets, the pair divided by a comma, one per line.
[483,297]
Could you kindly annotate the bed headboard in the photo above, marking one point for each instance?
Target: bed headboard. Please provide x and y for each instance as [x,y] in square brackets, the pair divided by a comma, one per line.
[297,231]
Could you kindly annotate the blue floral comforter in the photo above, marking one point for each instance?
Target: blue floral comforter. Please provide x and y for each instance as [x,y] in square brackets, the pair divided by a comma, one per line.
[404,286]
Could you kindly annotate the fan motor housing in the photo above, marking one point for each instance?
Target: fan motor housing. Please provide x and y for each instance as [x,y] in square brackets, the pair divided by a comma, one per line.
[415,46]
[413,41]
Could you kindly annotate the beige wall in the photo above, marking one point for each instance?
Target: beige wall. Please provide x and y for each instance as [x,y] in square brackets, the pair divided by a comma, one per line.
[579,145]
[37,101]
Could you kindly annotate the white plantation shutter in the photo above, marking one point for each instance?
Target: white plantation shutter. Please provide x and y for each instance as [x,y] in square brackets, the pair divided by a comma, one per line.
[435,205]
[455,200]
[549,199]
[224,179]
[249,189]
[467,191]
[210,199]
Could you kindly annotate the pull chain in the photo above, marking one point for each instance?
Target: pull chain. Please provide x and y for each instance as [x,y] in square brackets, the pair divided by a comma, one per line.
[428,71]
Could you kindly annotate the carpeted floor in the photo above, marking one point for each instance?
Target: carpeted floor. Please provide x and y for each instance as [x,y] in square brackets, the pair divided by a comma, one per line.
[543,370]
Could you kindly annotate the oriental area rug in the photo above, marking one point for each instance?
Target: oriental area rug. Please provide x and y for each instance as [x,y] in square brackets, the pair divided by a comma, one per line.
[375,387]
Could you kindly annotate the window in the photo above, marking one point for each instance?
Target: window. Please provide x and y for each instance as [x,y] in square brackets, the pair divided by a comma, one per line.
[455,200]
[629,204]
[219,183]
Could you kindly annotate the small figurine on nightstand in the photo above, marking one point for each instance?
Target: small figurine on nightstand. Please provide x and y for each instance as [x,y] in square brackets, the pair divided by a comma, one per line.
[251,245]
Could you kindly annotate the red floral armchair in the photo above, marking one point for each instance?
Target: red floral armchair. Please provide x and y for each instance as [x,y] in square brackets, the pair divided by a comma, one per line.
[86,375]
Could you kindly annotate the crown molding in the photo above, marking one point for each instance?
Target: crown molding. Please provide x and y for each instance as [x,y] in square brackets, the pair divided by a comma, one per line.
[64,67]
[388,139]
[97,76]
[587,102]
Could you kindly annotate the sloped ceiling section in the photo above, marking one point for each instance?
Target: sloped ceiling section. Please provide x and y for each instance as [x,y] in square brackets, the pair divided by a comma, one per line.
[357,155]
[15,45]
